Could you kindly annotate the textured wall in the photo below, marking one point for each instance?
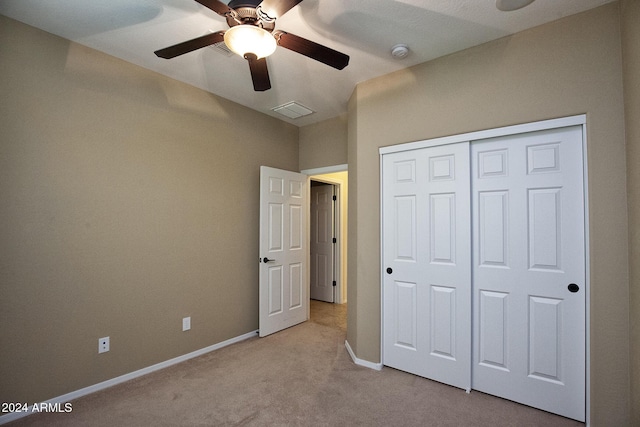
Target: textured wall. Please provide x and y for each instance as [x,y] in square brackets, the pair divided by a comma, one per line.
[631,69]
[324,143]
[568,67]
[129,201]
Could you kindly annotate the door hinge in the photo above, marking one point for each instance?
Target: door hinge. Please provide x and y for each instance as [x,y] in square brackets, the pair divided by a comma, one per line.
[334,283]
[335,240]
[334,198]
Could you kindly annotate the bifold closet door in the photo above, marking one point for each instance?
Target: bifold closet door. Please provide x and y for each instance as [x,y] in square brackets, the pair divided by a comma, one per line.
[427,265]
[529,269]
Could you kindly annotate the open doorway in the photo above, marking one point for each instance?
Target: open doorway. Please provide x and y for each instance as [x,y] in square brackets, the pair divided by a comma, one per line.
[323,312]
[331,181]
[329,184]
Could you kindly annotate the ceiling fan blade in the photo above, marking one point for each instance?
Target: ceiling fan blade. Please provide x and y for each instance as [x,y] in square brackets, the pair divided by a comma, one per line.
[313,50]
[190,45]
[217,6]
[276,8]
[259,72]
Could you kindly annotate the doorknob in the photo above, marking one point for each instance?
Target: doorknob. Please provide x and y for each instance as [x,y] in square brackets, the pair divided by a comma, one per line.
[389,270]
[266,260]
[573,287]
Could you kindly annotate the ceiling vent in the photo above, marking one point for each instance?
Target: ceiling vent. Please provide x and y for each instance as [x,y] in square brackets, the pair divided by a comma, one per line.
[292,110]
[220,48]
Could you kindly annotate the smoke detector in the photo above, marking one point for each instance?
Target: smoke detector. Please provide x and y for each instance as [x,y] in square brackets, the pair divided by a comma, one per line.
[509,5]
[400,51]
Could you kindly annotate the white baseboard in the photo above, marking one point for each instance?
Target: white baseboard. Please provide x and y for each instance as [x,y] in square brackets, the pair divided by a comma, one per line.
[126,377]
[361,362]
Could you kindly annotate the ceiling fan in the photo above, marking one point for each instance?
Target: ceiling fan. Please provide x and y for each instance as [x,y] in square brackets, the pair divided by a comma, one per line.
[252,35]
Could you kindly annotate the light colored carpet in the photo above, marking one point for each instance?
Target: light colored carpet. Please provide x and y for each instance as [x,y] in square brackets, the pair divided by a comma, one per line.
[302,376]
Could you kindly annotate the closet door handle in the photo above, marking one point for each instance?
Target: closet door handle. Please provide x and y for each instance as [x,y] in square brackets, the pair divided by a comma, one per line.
[573,287]
[389,270]
[266,260]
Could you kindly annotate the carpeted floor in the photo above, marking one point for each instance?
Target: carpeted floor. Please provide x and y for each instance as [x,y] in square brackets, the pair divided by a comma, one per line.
[301,376]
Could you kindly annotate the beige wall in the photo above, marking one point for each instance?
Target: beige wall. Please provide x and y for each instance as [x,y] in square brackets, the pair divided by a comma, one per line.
[324,144]
[631,69]
[129,200]
[568,67]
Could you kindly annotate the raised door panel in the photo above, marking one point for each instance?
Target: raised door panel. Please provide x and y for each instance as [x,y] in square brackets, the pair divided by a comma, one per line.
[544,228]
[545,339]
[404,310]
[405,237]
[276,290]
[296,283]
[443,228]
[493,232]
[296,231]
[275,231]
[492,337]
[443,322]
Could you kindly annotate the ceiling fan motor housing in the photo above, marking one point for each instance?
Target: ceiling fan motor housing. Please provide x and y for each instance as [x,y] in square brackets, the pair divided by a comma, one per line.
[247,14]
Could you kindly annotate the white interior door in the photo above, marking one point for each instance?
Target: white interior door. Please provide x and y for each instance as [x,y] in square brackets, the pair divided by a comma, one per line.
[529,322]
[284,250]
[427,264]
[322,245]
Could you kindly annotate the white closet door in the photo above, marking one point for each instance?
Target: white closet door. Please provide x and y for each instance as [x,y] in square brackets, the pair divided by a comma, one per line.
[529,269]
[427,265]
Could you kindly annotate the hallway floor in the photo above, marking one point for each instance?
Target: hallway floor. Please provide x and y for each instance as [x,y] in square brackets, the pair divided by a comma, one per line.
[329,314]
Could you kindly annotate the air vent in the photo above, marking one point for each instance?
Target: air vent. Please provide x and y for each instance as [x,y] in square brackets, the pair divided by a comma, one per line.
[221,48]
[292,110]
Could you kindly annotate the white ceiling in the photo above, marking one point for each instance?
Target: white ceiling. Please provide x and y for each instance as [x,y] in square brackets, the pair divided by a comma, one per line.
[366,30]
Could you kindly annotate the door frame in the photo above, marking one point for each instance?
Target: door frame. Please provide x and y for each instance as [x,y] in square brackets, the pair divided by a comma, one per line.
[315,175]
[577,120]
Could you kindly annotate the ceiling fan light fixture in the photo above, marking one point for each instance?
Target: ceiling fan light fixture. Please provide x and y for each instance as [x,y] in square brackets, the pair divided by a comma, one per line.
[245,38]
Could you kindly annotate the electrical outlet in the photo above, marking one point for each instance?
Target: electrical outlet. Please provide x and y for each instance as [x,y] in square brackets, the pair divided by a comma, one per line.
[186,323]
[103,345]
